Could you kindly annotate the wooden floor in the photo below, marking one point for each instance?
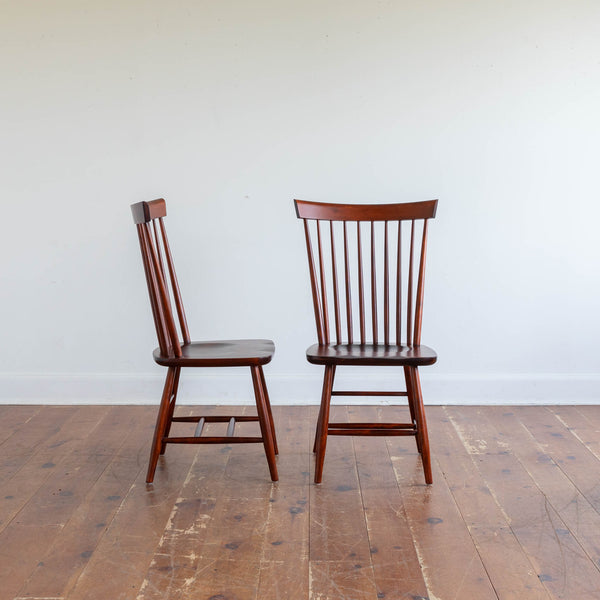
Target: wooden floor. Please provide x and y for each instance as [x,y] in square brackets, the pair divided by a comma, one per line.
[514,511]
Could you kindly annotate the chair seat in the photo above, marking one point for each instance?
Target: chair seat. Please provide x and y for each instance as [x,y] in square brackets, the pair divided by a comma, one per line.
[219,353]
[370,354]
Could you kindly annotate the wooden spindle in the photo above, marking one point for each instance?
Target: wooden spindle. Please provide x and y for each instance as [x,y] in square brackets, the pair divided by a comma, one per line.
[163,274]
[361,291]
[165,305]
[386,288]
[409,300]
[158,249]
[348,286]
[373,286]
[230,427]
[323,285]
[420,288]
[175,285]
[313,282]
[199,427]
[399,287]
[153,289]
[336,298]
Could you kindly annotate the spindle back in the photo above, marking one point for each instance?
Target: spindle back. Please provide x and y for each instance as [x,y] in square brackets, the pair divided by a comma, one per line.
[163,287]
[362,261]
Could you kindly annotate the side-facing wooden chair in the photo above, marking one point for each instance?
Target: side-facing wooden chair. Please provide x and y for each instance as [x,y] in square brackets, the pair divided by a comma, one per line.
[377,308]
[175,353]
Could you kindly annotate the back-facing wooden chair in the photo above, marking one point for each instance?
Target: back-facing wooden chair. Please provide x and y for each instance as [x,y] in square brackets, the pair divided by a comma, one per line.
[376,309]
[175,354]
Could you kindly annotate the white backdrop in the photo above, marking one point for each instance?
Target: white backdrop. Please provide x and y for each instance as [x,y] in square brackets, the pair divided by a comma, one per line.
[230,109]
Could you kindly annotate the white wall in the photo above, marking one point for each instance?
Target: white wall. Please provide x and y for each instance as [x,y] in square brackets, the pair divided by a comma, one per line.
[229,109]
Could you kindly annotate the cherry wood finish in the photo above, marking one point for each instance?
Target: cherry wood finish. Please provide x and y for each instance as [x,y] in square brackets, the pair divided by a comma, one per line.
[367,274]
[177,350]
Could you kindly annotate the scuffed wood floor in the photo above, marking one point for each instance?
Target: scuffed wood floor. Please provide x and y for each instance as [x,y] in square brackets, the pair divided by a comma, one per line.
[513,511]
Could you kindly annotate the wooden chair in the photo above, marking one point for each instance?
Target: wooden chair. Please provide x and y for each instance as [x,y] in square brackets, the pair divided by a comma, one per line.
[175,354]
[376,310]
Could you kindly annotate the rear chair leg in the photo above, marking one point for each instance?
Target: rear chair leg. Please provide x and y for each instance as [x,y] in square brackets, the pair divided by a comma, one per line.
[266,423]
[161,423]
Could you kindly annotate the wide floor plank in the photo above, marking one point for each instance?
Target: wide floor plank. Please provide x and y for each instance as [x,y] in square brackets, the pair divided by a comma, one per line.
[514,510]
[396,567]
[450,562]
[559,559]
[508,566]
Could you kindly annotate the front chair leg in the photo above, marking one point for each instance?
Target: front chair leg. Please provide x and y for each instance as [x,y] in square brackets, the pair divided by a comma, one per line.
[422,424]
[266,424]
[411,404]
[173,400]
[263,384]
[162,420]
[323,422]
[320,417]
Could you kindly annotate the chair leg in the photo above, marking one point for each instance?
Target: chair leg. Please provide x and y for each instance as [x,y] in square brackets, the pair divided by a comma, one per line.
[266,425]
[323,423]
[318,428]
[270,413]
[411,403]
[422,424]
[173,400]
[161,423]
[320,417]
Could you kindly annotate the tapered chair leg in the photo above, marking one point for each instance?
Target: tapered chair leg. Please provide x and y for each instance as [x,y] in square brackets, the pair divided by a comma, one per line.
[422,424]
[323,424]
[266,426]
[172,403]
[318,428]
[411,403]
[161,422]
[320,417]
[269,411]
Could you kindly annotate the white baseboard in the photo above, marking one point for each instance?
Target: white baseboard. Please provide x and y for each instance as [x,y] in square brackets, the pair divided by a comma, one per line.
[236,388]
